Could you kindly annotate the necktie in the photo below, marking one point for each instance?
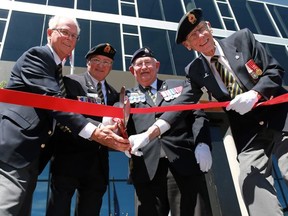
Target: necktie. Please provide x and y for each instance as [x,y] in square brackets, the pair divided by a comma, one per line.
[100,93]
[61,83]
[230,82]
[149,91]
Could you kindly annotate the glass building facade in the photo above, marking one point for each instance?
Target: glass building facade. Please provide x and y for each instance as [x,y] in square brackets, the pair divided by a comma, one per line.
[128,25]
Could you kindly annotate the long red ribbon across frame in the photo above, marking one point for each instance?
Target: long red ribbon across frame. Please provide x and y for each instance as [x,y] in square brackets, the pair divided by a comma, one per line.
[67,105]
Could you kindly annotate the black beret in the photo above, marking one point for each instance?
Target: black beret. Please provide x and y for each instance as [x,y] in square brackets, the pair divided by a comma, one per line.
[104,49]
[142,52]
[187,23]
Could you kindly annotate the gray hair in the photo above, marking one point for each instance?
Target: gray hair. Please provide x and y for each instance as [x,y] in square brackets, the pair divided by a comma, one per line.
[54,20]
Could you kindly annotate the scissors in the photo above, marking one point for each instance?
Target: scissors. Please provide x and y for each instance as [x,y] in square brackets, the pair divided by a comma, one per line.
[125,104]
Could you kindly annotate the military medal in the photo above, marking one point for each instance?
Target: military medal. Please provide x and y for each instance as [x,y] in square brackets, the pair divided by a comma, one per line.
[253,69]
[171,94]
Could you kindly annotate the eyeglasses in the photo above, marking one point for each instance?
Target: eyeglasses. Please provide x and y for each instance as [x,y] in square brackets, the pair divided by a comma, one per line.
[66,33]
[140,64]
[98,62]
[201,29]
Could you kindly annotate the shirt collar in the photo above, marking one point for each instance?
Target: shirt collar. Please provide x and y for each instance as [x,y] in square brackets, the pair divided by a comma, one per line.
[218,51]
[55,55]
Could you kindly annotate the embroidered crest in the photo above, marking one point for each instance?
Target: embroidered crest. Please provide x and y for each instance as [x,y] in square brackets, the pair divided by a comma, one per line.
[192,19]
[107,49]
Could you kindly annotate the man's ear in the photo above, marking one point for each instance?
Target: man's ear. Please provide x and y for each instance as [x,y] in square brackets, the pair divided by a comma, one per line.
[131,69]
[209,27]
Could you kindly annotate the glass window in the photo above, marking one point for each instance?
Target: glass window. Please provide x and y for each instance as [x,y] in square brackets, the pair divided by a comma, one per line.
[66,3]
[156,39]
[33,1]
[209,12]
[172,10]
[261,19]
[182,56]
[128,9]
[241,12]
[124,194]
[224,9]
[99,32]
[230,24]
[2,28]
[40,198]
[280,16]
[105,6]
[14,45]
[3,14]
[83,45]
[149,9]
[281,55]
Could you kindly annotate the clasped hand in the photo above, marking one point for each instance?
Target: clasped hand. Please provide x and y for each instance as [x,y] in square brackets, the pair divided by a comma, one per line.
[107,137]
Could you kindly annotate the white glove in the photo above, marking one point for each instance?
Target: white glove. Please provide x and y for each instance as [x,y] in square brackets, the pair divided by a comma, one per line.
[138,141]
[127,153]
[107,121]
[244,102]
[203,157]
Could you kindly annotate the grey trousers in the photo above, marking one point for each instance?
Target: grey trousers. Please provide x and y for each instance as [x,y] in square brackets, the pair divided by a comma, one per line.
[16,189]
[256,181]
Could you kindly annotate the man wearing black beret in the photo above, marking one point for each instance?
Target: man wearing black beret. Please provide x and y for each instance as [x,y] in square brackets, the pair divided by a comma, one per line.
[168,171]
[239,69]
[78,164]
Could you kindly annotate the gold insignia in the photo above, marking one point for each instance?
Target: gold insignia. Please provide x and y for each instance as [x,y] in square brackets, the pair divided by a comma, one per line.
[192,19]
[107,49]
[259,71]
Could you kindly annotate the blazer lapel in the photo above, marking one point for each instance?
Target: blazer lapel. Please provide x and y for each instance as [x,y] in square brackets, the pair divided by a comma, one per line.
[209,82]
[110,96]
[236,62]
[160,87]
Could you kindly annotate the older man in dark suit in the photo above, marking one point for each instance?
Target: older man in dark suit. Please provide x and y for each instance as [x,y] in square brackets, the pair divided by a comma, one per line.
[25,129]
[164,171]
[77,163]
[239,69]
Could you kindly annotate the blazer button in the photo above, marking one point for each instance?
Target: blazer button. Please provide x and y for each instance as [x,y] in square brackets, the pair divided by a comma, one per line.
[43,145]
[50,132]
[261,123]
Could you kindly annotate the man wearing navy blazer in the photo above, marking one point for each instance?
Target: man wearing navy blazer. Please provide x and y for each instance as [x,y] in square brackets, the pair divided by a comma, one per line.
[165,172]
[25,129]
[80,165]
[260,133]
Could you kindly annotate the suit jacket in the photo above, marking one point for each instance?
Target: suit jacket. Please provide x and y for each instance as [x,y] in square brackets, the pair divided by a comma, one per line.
[178,143]
[73,155]
[239,48]
[24,129]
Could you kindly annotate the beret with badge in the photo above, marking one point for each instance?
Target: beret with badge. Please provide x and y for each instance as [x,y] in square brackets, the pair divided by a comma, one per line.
[187,23]
[104,49]
[142,52]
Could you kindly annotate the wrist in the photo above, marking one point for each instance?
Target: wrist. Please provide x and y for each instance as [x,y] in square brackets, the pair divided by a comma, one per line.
[153,132]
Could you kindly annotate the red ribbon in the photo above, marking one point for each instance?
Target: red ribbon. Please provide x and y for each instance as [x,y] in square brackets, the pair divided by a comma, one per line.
[68,105]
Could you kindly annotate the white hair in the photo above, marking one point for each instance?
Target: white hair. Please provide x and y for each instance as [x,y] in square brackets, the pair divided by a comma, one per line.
[54,20]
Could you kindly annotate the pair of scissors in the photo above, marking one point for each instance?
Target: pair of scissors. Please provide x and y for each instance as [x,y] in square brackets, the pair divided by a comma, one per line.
[125,105]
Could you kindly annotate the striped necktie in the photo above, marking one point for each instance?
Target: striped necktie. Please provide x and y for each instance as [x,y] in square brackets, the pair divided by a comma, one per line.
[100,93]
[61,83]
[227,77]
[149,91]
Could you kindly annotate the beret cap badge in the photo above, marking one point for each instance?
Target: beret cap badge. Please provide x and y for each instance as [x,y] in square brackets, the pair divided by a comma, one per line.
[107,49]
[192,19]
